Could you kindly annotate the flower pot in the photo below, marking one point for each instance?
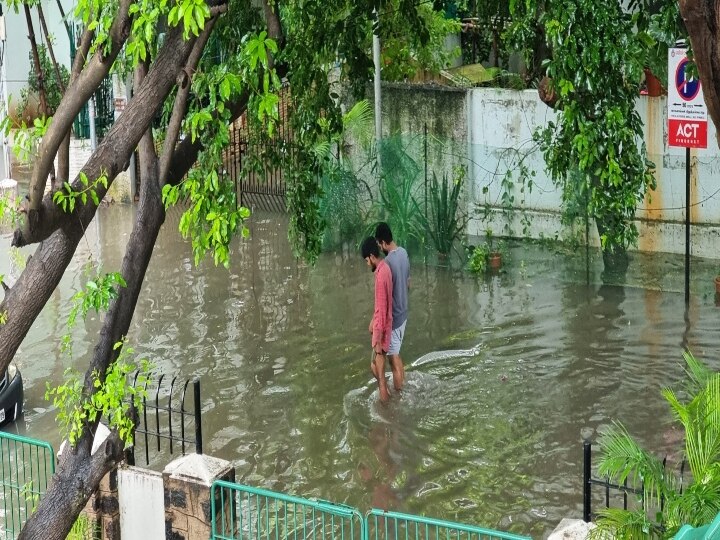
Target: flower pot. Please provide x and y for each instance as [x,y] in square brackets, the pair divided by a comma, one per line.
[494,261]
[717,284]
[654,86]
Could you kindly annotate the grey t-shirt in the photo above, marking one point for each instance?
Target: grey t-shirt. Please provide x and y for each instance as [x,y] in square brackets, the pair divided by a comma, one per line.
[399,265]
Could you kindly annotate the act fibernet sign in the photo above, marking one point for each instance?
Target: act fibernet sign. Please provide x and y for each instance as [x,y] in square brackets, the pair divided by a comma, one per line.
[687,113]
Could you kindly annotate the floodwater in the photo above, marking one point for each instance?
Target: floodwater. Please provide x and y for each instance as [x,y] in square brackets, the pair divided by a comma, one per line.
[492,436]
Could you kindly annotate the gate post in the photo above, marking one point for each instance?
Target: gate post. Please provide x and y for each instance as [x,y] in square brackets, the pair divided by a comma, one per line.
[187,483]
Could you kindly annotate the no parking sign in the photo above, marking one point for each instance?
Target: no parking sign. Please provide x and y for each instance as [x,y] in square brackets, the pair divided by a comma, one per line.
[687,113]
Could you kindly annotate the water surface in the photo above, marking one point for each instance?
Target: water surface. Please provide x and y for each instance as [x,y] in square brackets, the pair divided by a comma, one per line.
[492,437]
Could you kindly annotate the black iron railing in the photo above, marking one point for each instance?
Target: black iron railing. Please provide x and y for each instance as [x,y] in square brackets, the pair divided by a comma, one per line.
[611,491]
[166,418]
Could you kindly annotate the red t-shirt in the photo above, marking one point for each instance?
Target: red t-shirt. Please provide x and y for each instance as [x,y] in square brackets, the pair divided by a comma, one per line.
[382,317]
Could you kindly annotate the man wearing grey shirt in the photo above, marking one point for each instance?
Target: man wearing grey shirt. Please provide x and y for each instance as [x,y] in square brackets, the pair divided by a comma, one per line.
[397,259]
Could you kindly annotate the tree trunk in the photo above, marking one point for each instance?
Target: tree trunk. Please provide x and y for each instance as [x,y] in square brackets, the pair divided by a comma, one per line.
[702,20]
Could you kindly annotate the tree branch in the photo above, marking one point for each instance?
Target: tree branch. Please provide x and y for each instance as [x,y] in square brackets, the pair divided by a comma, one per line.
[74,99]
[180,105]
[36,62]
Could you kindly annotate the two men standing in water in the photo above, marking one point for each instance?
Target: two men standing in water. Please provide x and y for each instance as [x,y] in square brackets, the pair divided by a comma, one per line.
[392,279]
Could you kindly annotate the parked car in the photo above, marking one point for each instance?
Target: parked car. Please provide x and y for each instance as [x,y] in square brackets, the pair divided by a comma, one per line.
[11,395]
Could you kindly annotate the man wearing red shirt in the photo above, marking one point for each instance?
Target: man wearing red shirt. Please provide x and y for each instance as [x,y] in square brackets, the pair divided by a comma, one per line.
[381,325]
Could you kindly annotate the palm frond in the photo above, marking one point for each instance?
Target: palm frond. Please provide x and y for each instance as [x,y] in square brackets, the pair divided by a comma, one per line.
[616,523]
[697,505]
[698,374]
[623,458]
[359,122]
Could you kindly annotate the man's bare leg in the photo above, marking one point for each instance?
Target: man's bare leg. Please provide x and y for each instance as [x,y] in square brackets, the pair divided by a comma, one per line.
[398,371]
[378,370]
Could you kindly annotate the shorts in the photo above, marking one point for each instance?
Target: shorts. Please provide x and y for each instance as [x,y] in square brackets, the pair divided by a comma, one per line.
[396,339]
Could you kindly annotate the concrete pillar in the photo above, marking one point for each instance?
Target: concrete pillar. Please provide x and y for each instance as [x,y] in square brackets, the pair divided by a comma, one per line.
[187,482]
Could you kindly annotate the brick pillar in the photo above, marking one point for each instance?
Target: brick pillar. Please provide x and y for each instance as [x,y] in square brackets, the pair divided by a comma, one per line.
[103,509]
[187,482]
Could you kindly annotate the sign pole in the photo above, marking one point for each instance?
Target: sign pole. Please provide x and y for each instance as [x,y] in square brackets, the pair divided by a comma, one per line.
[687,127]
[687,226]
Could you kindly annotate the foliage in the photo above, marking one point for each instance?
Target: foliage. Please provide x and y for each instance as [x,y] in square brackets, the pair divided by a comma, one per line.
[213,217]
[67,197]
[478,261]
[98,294]
[623,458]
[340,207]
[9,212]
[398,194]
[598,133]
[479,257]
[486,38]
[26,139]
[52,86]
[402,54]
[446,221]
[82,529]
[114,397]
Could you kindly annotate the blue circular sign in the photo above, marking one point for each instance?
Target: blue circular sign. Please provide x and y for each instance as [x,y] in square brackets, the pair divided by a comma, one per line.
[687,86]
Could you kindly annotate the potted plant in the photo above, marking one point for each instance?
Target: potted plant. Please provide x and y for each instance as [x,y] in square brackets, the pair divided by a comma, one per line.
[494,254]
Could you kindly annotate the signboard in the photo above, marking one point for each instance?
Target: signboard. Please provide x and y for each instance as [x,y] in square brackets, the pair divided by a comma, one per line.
[687,113]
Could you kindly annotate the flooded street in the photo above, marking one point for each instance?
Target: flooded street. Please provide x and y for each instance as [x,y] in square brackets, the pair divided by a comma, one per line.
[492,436]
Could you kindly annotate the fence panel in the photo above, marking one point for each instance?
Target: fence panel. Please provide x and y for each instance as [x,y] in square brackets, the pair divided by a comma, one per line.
[242,512]
[26,466]
[167,425]
[382,525]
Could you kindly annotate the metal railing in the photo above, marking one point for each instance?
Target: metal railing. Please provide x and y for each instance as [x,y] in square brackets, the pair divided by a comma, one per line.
[242,512]
[385,525]
[611,491]
[166,418]
[26,466]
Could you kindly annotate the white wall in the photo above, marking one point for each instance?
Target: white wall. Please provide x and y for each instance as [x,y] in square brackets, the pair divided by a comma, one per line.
[501,124]
[142,504]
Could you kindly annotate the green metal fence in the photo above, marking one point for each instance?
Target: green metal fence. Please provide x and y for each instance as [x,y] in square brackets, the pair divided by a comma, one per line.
[706,532]
[26,466]
[243,512]
[240,512]
[384,525]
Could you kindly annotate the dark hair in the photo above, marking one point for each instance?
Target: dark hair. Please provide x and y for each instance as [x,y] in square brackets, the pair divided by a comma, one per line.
[369,247]
[383,233]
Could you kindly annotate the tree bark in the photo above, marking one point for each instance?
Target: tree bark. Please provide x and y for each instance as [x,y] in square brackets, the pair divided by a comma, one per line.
[75,98]
[702,20]
[36,63]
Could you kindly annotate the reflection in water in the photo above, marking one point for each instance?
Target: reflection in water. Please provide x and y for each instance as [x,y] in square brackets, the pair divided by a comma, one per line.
[492,436]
